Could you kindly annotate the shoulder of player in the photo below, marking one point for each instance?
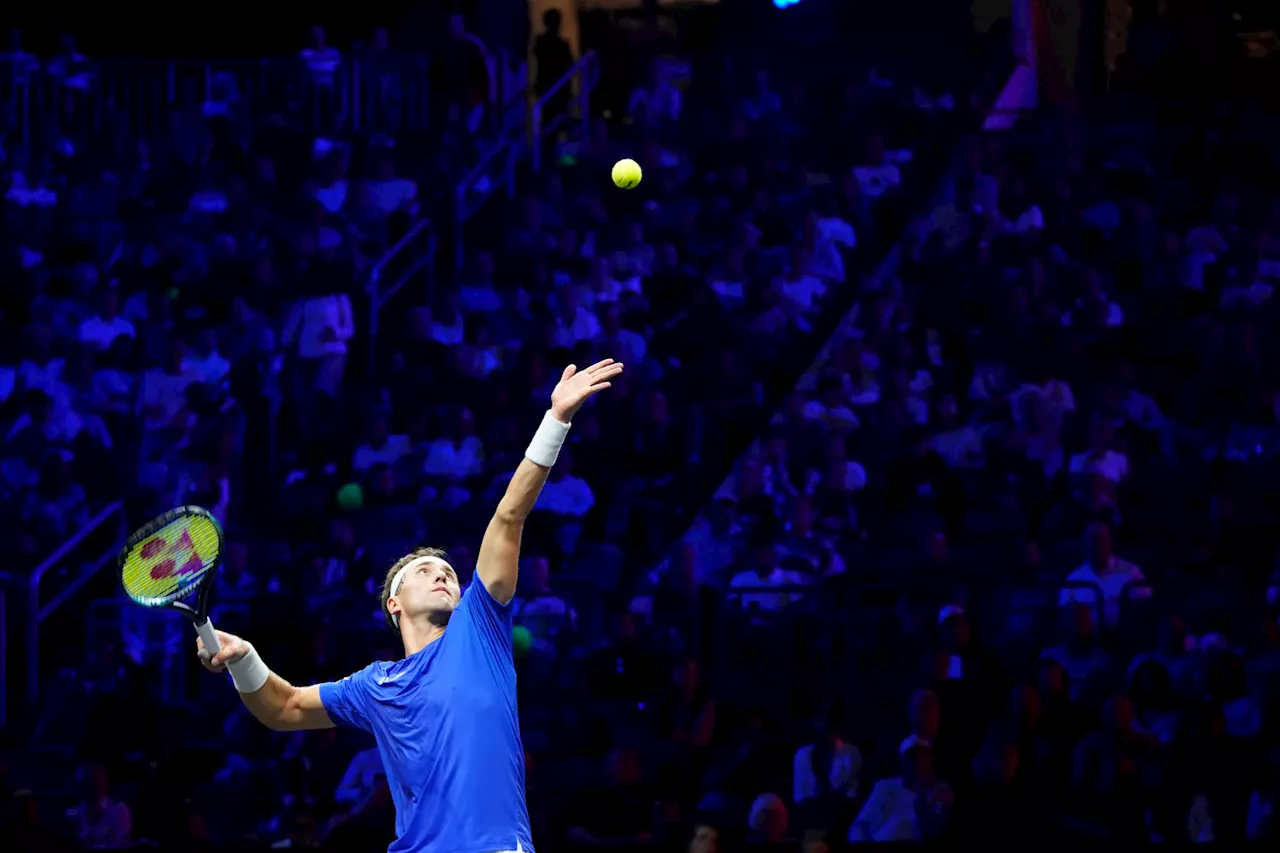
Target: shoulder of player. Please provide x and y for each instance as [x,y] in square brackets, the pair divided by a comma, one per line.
[379,671]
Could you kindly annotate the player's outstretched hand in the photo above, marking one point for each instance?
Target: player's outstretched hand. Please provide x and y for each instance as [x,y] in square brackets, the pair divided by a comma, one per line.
[577,386]
[233,649]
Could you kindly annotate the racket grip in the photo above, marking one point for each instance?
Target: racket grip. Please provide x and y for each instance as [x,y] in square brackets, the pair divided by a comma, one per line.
[210,636]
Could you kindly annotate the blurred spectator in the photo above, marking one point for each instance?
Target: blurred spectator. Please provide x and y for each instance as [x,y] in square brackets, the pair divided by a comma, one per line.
[103,822]
[554,58]
[910,807]
[1117,579]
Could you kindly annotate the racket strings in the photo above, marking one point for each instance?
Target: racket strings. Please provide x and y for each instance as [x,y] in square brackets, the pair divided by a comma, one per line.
[171,562]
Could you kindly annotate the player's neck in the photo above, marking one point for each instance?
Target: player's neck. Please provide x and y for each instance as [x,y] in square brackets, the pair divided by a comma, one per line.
[417,635]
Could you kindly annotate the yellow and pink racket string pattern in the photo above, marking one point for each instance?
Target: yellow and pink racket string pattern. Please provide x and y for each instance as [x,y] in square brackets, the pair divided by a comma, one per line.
[168,564]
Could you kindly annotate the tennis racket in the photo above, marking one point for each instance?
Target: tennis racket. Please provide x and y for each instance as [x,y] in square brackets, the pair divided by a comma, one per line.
[171,562]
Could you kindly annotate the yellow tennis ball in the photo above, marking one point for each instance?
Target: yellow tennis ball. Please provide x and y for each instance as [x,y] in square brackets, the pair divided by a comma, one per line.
[626,174]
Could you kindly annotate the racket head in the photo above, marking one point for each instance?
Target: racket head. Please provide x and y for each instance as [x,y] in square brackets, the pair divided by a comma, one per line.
[172,557]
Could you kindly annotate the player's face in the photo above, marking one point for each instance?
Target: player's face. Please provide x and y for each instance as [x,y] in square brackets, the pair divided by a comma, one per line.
[430,587]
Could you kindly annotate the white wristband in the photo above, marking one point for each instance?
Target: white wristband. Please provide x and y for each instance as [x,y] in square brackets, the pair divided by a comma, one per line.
[547,441]
[249,673]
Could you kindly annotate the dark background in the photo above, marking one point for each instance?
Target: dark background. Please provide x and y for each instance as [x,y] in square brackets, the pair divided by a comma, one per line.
[241,28]
[235,28]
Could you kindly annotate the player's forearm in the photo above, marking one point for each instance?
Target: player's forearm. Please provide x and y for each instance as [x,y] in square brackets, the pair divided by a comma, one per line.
[274,702]
[522,492]
[270,703]
[531,475]
[497,564]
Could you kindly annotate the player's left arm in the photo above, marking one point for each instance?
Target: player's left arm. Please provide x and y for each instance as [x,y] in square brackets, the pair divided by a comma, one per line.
[497,564]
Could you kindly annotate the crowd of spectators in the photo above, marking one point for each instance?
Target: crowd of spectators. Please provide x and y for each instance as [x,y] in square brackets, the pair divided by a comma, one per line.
[179,321]
[1029,496]
[1002,565]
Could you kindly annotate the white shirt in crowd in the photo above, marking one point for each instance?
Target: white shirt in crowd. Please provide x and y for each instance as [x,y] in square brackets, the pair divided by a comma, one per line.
[1113,320]
[1028,221]
[804,291]
[322,326]
[855,478]
[1142,410]
[875,181]
[333,196]
[390,195]
[479,298]
[101,334]
[631,345]
[1111,464]
[658,105]
[24,195]
[888,815]
[768,601]
[8,383]
[612,288]
[549,608]
[1113,579]
[569,496]
[41,377]
[161,396]
[585,327]
[846,761]
[448,459]
[730,292]
[322,62]
[960,447]
[63,426]
[361,778]
[834,234]
[447,334]
[211,369]
[1055,393]
[108,827]
[480,361]
[839,417]
[367,456]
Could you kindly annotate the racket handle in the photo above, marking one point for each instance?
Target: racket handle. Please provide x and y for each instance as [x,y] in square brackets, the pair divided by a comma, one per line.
[210,636]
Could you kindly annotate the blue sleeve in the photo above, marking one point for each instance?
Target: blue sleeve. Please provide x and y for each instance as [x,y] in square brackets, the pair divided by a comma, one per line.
[488,620]
[347,701]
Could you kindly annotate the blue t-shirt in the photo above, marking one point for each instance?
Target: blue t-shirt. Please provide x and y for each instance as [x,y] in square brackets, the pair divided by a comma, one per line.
[448,731]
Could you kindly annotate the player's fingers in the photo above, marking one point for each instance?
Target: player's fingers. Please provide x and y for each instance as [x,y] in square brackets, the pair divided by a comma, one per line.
[599,365]
[206,660]
[568,371]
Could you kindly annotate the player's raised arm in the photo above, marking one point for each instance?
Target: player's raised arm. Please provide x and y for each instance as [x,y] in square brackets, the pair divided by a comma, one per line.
[498,561]
[274,702]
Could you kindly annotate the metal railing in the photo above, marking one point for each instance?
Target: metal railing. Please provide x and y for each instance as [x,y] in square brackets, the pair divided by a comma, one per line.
[38,614]
[480,184]
[414,253]
[146,635]
[585,73]
[496,169]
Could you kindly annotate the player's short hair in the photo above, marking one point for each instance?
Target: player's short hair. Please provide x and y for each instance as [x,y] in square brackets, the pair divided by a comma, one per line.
[415,554]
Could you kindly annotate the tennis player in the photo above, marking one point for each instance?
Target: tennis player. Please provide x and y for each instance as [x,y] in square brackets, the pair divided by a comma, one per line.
[445,716]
